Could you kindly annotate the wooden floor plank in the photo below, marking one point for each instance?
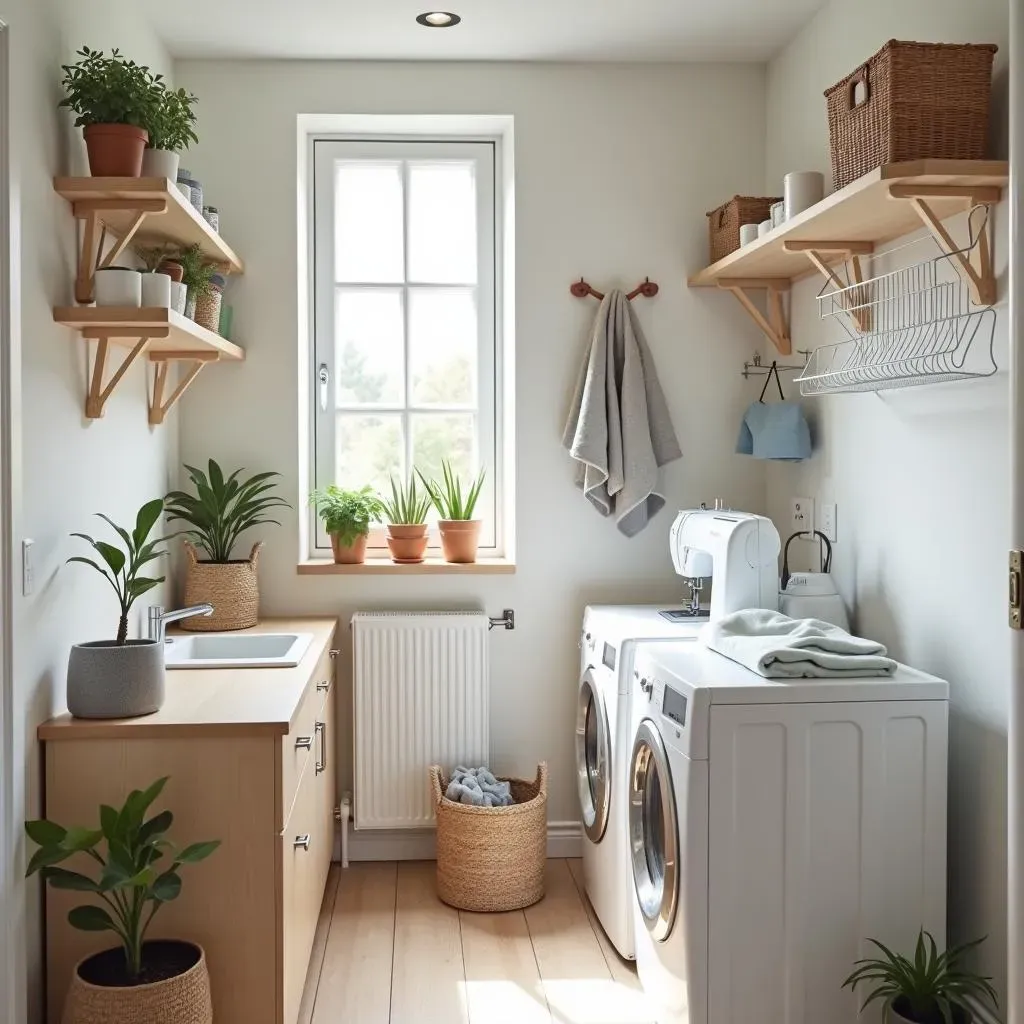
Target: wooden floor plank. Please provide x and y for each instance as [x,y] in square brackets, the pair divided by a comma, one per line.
[355,980]
[429,983]
[316,957]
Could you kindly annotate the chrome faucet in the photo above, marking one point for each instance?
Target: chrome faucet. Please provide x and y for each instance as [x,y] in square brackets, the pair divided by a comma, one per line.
[158,619]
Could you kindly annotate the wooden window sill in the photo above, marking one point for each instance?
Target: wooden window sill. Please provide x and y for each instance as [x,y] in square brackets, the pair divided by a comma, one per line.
[433,566]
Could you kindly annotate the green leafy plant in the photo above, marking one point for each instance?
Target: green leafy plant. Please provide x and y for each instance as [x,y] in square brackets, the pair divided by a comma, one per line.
[930,989]
[347,515]
[451,498]
[153,256]
[408,506]
[138,875]
[197,270]
[223,508]
[122,569]
[111,90]
[173,123]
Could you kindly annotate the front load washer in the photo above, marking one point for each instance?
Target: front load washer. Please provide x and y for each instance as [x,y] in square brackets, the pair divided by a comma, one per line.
[610,638]
[774,827]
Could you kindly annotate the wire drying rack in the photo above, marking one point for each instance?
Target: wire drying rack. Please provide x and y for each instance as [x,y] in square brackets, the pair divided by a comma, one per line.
[913,326]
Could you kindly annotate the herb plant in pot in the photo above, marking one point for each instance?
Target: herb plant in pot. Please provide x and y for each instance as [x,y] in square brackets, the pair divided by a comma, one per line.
[347,517]
[138,873]
[120,678]
[406,515]
[455,503]
[931,988]
[172,128]
[220,511]
[197,275]
[156,282]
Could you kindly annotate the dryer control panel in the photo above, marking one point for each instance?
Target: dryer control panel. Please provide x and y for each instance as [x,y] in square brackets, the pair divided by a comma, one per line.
[680,709]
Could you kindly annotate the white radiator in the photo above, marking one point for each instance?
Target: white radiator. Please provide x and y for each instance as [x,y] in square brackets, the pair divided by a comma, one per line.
[421,696]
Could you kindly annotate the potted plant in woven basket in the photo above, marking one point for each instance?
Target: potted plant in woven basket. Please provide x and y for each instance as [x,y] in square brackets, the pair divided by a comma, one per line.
[197,276]
[347,517]
[406,516]
[137,980]
[172,128]
[931,988]
[220,511]
[455,503]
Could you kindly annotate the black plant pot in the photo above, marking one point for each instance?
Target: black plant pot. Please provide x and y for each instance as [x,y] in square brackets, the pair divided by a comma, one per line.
[899,1013]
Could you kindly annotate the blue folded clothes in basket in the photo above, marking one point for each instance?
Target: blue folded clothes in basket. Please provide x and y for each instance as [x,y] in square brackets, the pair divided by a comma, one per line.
[479,788]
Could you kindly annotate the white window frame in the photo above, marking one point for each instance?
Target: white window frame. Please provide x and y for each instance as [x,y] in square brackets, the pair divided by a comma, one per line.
[324,150]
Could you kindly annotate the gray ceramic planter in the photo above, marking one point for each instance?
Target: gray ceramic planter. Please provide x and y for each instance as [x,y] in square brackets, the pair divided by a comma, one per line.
[110,681]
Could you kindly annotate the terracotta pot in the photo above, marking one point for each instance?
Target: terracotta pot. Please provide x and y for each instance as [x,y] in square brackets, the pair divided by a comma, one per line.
[115,150]
[354,554]
[173,269]
[460,539]
[231,587]
[407,542]
[184,998]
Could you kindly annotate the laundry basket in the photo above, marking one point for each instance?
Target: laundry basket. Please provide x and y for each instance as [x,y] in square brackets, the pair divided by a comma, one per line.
[492,859]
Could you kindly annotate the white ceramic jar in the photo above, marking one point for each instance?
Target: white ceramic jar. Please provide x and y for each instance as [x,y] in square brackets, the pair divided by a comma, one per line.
[156,291]
[179,296]
[763,228]
[118,286]
[802,190]
[160,163]
[748,233]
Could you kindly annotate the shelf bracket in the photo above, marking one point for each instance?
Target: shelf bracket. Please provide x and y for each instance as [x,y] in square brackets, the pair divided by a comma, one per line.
[98,393]
[850,252]
[776,324]
[159,407]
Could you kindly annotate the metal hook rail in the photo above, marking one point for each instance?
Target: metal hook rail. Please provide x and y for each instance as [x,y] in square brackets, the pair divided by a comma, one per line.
[757,368]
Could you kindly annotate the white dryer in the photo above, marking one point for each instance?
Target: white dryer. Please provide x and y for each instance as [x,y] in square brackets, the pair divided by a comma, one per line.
[608,643]
[774,827]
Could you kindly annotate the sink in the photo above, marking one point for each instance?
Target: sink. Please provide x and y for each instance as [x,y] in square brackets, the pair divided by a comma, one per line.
[237,650]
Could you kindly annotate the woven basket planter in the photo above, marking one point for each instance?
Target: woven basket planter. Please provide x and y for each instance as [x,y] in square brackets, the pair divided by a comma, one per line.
[492,859]
[231,587]
[917,101]
[724,222]
[207,312]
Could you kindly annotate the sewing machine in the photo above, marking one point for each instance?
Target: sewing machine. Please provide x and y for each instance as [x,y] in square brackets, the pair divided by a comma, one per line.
[737,551]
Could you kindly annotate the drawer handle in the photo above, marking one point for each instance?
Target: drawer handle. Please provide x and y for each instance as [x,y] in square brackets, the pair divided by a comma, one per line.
[321,731]
[323,686]
[301,841]
[304,743]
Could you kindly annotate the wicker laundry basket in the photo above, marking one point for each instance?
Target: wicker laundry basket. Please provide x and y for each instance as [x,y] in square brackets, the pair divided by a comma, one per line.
[492,859]
[725,221]
[231,587]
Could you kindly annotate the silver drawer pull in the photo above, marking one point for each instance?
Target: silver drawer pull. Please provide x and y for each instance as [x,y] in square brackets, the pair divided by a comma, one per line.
[304,743]
[321,731]
[323,686]
[301,841]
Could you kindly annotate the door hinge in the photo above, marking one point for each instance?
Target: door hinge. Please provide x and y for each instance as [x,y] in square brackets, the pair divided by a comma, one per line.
[1016,562]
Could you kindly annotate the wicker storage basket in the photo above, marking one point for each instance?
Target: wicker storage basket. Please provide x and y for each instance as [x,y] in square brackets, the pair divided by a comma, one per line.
[231,587]
[492,859]
[919,101]
[725,222]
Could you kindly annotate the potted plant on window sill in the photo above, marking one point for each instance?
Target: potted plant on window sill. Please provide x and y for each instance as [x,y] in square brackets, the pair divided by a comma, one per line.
[347,517]
[455,503]
[220,511]
[139,980]
[406,516]
[930,989]
[171,130]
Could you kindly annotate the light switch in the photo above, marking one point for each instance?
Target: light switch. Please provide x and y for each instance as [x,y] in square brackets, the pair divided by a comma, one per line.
[827,521]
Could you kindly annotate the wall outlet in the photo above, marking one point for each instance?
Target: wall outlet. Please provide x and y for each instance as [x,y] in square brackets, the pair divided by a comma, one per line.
[802,515]
[28,567]
[827,522]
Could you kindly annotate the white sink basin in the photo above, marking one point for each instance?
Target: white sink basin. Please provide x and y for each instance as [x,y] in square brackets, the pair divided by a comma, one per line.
[237,650]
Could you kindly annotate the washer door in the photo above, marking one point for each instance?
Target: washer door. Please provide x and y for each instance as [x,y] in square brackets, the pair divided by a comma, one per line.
[593,757]
[653,831]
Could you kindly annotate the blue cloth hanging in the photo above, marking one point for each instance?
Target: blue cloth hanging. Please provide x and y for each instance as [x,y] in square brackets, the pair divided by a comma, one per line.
[778,431]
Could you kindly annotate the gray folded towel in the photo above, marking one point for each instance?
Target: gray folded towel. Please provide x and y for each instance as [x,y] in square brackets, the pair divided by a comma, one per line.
[479,788]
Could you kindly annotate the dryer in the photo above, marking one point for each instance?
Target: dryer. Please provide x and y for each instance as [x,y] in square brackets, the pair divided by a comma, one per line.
[774,827]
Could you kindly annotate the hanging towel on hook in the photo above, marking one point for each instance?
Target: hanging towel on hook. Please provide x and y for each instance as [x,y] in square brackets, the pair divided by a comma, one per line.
[619,429]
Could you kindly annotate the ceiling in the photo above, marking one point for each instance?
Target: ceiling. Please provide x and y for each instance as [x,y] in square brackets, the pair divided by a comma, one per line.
[547,30]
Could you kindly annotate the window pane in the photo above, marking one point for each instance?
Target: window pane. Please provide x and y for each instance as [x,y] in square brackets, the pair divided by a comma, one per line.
[369,332]
[442,223]
[436,436]
[368,233]
[368,450]
[443,346]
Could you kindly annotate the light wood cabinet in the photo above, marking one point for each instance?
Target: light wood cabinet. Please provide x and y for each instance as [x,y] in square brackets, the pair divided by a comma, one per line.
[257,786]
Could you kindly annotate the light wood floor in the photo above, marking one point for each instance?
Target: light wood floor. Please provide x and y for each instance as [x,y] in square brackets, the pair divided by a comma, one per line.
[389,952]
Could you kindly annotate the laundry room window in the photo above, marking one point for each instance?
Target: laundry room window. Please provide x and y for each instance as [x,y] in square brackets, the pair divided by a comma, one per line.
[406,300]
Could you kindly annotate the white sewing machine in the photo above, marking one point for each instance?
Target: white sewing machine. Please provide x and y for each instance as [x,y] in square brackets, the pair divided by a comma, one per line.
[738,551]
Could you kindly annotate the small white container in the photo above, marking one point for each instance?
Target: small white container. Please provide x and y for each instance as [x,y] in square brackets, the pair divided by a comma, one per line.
[763,228]
[179,296]
[778,214]
[160,163]
[185,189]
[118,286]
[802,190]
[748,233]
[156,291]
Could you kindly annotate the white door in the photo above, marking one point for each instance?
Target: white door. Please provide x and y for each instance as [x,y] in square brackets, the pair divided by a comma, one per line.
[593,755]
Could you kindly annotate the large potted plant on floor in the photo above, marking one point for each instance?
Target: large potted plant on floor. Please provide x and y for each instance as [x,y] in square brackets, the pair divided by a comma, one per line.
[116,100]
[120,678]
[221,510]
[455,503]
[932,988]
[172,129]
[138,980]
[347,517]
[405,513]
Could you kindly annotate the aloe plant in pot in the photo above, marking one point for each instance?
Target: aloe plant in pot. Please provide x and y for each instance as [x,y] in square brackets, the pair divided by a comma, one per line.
[455,503]
[405,513]
[347,517]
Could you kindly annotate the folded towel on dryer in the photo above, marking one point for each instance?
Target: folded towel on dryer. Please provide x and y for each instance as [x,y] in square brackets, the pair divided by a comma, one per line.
[479,788]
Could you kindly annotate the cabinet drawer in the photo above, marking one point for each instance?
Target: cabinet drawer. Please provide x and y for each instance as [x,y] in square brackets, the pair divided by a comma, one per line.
[299,746]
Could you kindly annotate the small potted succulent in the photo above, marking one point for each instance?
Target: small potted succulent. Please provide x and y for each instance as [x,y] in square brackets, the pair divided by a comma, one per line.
[347,517]
[156,282]
[172,128]
[115,101]
[933,988]
[220,511]
[455,503]
[405,513]
[138,873]
[120,678]
[197,276]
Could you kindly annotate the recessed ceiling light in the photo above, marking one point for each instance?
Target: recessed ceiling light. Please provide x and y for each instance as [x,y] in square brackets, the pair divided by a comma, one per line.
[439,19]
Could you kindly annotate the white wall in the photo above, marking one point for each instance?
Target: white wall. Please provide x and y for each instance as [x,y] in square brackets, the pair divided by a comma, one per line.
[615,166]
[921,479]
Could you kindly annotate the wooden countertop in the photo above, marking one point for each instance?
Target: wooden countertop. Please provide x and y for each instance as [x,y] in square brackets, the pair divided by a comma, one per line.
[226,702]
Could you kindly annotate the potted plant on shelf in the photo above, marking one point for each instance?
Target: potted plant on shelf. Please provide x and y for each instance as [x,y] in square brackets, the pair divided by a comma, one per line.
[406,516]
[120,678]
[347,517]
[455,504]
[930,989]
[137,980]
[156,282]
[115,100]
[172,128]
[197,275]
[220,511]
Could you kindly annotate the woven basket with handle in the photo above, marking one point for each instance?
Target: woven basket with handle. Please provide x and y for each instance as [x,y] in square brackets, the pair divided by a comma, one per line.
[724,222]
[231,587]
[911,101]
[492,859]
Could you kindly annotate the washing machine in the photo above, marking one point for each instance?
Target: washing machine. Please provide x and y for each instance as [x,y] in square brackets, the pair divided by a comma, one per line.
[609,640]
[775,826]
